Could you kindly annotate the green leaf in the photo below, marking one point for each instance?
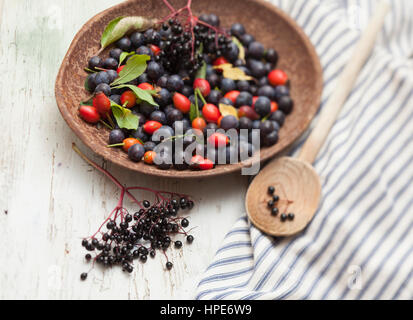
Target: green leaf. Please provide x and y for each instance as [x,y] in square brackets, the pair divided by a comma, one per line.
[108,33]
[120,26]
[134,68]
[194,112]
[87,103]
[124,55]
[87,84]
[124,117]
[233,73]
[201,74]
[240,47]
[144,95]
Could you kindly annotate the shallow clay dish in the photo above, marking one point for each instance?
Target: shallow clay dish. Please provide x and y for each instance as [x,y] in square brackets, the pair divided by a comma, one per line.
[267,23]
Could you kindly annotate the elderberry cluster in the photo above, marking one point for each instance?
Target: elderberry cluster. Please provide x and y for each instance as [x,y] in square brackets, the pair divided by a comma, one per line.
[135,237]
[180,46]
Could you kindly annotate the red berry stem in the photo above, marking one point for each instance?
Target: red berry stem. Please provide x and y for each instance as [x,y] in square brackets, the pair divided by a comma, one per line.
[191,22]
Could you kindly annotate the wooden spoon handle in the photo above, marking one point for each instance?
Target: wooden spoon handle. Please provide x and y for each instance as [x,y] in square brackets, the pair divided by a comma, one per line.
[345,84]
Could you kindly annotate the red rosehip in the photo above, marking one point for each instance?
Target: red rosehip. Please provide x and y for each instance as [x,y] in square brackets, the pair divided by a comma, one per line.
[206,164]
[211,113]
[102,103]
[182,103]
[199,124]
[146,86]
[277,78]
[128,98]
[155,49]
[151,127]
[274,106]
[232,95]
[203,85]
[120,69]
[89,114]
[254,99]
[129,142]
[195,161]
[220,61]
[218,140]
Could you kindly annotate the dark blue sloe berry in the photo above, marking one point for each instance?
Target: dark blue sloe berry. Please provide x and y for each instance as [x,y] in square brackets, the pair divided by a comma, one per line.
[237,30]
[271,56]
[124,44]
[144,50]
[214,97]
[256,50]
[110,63]
[229,122]
[247,39]
[227,85]
[286,104]
[154,70]
[91,82]
[257,68]
[116,136]
[245,123]
[95,62]
[137,39]
[281,91]
[226,101]
[263,106]
[158,116]
[102,77]
[136,152]
[175,83]
[163,98]
[267,91]
[115,54]
[271,139]
[243,85]
[244,99]
[279,117]
[105,88]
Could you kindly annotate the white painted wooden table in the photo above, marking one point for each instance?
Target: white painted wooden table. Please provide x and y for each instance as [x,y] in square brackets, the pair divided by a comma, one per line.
[50,199]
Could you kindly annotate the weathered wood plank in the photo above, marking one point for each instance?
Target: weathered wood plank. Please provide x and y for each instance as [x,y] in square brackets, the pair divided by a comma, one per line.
[51,196]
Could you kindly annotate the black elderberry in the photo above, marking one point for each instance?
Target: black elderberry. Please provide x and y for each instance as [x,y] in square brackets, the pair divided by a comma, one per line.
[291,216]
[275,211]
[271,190]
[185,223]
[83,276]
[146,204]
[178,244]
[284,217]
[190,239]
[169,265]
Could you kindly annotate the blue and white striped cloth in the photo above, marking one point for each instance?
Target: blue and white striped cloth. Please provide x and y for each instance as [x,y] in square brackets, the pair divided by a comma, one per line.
[360,243]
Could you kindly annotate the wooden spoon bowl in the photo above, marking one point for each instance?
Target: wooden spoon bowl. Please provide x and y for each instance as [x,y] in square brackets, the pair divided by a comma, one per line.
[299,188]
[267,23]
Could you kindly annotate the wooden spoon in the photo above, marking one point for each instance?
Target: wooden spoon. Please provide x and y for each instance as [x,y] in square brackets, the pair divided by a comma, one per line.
[295,180]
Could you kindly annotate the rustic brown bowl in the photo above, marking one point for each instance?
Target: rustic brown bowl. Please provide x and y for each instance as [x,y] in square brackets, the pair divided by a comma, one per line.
[267,23]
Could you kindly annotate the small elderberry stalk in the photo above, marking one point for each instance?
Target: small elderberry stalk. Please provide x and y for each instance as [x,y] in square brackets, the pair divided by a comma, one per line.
[124,237]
